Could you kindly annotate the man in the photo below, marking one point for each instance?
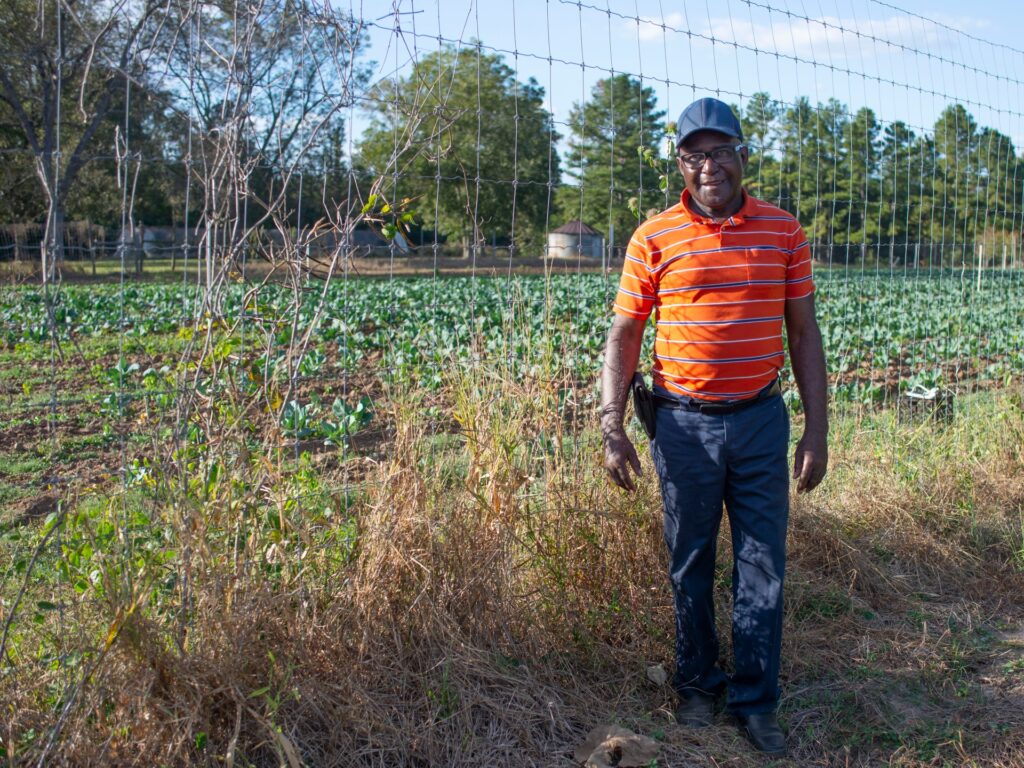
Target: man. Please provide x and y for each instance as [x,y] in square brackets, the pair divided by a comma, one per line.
[722,270]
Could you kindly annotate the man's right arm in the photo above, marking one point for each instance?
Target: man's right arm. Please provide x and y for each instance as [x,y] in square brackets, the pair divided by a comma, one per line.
[620,360]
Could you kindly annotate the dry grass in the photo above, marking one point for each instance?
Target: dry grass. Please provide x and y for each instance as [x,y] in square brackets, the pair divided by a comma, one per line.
[492,599]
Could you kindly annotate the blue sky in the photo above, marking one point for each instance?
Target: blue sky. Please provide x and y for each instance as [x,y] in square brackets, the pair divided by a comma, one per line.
[905,61]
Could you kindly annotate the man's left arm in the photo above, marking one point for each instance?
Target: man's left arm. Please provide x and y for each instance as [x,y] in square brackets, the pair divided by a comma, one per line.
[807,357]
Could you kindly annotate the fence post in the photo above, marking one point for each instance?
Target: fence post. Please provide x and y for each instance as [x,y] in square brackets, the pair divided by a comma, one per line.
[140,253]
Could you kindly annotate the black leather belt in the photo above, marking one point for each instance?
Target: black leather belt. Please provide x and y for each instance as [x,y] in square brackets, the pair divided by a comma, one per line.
[710,407]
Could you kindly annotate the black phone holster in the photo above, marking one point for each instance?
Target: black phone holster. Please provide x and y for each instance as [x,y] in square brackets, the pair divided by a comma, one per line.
[643,404]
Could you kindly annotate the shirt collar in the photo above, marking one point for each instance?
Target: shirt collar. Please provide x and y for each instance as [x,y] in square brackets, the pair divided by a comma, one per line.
[746,210]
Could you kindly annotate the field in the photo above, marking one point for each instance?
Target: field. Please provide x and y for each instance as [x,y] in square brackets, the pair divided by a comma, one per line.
[364,523]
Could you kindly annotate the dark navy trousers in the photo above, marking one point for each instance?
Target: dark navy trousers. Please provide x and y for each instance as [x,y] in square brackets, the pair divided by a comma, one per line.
[739,459]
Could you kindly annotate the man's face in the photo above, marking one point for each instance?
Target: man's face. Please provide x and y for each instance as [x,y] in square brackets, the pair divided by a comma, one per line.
[716,186]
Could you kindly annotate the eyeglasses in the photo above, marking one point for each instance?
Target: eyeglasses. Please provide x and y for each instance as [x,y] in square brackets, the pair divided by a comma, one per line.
[721,155]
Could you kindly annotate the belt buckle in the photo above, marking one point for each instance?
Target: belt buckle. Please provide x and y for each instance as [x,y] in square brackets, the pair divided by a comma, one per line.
[710,409]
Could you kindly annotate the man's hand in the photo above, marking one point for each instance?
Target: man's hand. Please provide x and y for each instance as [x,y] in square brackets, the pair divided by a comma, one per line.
[808,358]
[810,461]
[620,358]
[619,457]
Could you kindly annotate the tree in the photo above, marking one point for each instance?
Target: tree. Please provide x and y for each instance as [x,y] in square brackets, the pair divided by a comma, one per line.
[828,175]
[21,198]
[259,88]
[63,69]
[998,185]
[760,131]
[957,167]
[902,184]
[620,117]
[824,170]
[858,180]
[275,74]
[470,144]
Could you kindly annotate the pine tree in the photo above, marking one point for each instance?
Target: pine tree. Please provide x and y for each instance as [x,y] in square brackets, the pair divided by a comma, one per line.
[606,133]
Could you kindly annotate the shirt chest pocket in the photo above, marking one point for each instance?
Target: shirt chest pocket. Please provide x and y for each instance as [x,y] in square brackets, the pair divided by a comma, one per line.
[764,269]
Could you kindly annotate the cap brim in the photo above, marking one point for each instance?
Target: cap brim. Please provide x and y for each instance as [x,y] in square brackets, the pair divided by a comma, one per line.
[723,131]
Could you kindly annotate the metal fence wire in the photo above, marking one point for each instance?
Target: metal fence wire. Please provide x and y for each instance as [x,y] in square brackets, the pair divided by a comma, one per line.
[280,260]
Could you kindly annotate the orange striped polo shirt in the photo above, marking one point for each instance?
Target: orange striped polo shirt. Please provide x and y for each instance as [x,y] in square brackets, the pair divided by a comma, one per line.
[719,292]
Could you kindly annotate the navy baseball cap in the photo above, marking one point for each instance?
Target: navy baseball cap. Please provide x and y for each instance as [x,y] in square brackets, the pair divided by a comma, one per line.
[707,115]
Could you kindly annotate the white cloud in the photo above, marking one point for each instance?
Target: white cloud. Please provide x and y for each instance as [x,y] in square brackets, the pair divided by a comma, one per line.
[829,37]
[832,37]
[839,38]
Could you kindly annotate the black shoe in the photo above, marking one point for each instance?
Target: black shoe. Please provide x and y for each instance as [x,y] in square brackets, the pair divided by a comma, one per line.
[762,728]
[696,710]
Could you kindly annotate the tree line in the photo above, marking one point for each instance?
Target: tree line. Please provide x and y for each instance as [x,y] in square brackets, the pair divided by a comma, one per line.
[159,112]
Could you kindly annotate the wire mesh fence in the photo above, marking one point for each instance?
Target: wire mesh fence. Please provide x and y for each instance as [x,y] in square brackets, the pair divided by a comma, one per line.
[303,317]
